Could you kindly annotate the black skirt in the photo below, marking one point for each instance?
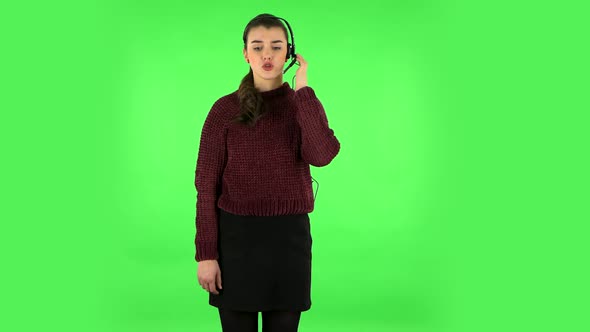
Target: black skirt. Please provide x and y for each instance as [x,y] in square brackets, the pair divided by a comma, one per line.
[265,262]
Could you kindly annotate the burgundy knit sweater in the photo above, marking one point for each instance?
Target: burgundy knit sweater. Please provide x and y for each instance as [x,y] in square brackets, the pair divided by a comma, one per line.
[261,170]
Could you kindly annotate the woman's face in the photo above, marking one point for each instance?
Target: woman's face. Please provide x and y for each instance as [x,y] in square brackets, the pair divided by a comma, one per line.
[266,46]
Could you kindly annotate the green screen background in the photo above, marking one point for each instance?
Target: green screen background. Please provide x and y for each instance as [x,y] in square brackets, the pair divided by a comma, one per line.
[458,201]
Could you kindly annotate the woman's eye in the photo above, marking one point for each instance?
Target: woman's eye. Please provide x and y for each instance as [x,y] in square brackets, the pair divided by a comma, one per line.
[258,48]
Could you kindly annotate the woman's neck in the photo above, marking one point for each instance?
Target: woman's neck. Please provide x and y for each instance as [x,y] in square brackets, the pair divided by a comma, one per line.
[267,85]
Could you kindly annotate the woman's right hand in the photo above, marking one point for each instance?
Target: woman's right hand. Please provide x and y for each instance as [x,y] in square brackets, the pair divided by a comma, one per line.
[209,275]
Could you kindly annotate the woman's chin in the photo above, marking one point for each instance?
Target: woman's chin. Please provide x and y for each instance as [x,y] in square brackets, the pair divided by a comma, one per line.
[270,75]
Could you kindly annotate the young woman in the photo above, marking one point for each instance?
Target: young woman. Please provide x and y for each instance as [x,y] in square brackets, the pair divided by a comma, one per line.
[253,241]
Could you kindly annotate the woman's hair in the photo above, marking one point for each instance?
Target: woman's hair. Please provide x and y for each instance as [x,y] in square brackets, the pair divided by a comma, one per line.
[251,103]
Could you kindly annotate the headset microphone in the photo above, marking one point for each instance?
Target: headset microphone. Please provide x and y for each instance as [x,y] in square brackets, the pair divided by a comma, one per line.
[290,49]
[290,54]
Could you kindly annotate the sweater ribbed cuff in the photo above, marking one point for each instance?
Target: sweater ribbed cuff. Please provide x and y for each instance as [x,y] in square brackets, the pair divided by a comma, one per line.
[206,251]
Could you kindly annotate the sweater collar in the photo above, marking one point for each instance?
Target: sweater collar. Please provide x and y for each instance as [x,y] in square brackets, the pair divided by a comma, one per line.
[282,90]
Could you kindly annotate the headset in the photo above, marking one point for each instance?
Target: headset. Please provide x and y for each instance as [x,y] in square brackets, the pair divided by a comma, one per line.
[290,46]
[290,54]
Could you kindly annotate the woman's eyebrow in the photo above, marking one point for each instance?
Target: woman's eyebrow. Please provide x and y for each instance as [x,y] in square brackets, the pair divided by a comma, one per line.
[260,41]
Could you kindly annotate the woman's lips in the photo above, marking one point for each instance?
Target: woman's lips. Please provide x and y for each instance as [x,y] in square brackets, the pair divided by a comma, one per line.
[268,68]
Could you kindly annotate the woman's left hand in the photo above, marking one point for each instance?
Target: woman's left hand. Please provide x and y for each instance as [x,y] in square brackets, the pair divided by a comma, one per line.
[301,74]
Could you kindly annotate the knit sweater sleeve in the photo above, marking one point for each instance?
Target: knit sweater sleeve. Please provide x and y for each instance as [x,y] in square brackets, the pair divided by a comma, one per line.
[208,172]
[319,145]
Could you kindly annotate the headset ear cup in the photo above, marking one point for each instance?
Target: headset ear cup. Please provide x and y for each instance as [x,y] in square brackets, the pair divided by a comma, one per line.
[289,50]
